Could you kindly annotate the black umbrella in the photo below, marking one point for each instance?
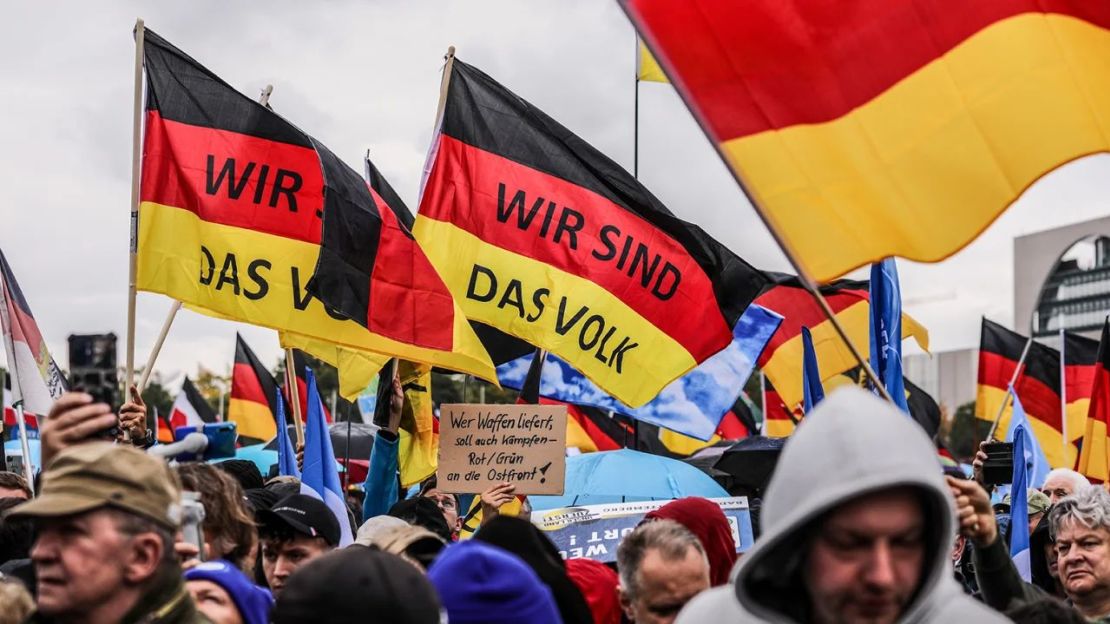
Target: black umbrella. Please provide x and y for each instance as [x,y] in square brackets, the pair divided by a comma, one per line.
[362,439]
[751,461]
[704,460]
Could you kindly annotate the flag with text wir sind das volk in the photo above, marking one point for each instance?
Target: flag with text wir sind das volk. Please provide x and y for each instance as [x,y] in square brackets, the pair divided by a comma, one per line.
[545,238]
[232,202]
[871,128]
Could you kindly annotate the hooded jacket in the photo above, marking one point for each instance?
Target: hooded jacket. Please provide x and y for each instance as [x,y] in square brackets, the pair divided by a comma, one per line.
[851,445]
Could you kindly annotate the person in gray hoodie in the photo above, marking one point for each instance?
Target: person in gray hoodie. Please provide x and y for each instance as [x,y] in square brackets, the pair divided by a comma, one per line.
[858,526]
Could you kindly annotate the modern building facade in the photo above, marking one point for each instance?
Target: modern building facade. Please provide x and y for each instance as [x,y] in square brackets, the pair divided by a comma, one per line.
[1061,280]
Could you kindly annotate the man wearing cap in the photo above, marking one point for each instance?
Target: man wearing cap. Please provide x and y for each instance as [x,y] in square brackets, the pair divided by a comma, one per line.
[105,522]
[296,530]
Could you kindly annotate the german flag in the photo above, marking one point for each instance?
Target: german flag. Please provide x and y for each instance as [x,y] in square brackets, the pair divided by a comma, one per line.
[1094,461]
[873,128]
[781,361]
[1080,366]
[254,396]
[232,203]
[540,235]
[1038,387]
[300,364]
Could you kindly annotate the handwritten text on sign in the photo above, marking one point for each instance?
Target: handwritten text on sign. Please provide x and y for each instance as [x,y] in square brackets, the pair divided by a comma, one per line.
[481,445]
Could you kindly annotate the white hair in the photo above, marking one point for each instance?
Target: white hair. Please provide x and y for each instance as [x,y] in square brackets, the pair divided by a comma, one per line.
[1089,507]
[1078,481]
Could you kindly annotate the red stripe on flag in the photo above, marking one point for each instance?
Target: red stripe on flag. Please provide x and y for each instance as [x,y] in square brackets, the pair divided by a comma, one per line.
[233,179]
[577,231]
[767,64]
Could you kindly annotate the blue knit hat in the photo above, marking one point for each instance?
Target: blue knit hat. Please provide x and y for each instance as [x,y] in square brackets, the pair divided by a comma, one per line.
[479,583]
[254,603]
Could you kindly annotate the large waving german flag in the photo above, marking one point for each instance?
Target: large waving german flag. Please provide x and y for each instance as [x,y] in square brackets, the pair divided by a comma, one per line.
[542,236]
[254,396]
[781,361]
[1080,366]
[1038,387]
[230,223]
[1094,461]
[870,128]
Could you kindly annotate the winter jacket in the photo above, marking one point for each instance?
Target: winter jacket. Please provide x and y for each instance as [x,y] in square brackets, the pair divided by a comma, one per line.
[381,485]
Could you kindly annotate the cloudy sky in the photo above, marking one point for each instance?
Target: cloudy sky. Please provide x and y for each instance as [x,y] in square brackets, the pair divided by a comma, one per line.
[364,75]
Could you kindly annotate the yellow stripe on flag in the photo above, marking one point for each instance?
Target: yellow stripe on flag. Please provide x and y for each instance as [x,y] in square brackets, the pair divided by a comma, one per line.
[253,420]
[656,360]
[356,368]
[777,427]
[1094,461]
[853,190]
[257,278]
[647,68]
[987,400]
[784,368]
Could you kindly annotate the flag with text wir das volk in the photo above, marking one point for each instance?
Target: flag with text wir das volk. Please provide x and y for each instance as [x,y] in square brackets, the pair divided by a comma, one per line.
[872,128]
[545,238]
[232,202]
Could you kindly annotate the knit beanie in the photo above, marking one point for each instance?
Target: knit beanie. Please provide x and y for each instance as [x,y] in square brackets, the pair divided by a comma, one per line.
[253,602]
[483,584]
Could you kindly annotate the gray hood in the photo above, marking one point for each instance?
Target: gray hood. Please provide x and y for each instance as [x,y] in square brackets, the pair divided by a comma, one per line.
[850,445]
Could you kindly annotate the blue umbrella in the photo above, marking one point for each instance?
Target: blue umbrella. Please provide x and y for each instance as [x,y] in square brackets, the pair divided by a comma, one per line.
[627,476]
[256,453]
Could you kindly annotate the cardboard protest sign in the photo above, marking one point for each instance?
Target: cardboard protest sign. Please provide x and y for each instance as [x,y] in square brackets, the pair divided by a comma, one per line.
[481,445]
[595,531]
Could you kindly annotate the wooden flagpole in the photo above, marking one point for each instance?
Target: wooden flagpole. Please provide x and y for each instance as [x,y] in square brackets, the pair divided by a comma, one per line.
[136,157]
[158,345]
[294,395]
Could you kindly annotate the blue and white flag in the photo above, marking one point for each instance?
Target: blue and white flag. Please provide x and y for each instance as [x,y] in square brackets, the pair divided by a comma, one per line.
[1019,506]
[692,404]
[287,457]
[886,330]
[812,390]
[320,478]
[1034,456]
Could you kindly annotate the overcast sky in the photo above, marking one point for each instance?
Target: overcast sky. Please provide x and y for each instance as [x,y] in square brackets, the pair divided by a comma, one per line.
[364,75]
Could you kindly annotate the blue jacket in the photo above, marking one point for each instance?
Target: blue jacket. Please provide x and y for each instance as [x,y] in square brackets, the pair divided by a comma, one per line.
[381,485]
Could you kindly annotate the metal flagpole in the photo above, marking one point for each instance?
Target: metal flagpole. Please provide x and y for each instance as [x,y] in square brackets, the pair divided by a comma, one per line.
[1010,388]
[1064,395]
[763,400]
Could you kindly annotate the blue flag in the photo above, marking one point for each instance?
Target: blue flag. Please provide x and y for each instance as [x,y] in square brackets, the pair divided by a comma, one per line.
[320,478]
[287,457]
[886,330]
[812,390]
[692,405]
[1034,456]
[1019,507]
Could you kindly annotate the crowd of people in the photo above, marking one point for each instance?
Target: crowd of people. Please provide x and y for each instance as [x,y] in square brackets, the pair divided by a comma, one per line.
[859,524]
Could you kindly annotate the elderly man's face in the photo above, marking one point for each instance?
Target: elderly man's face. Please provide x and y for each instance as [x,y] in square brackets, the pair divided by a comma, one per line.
[866,561]
[665,586]
[1083,559]
[80,562]
[1057,487]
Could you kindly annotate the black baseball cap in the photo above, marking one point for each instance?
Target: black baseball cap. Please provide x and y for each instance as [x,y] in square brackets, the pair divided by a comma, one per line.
[305,515]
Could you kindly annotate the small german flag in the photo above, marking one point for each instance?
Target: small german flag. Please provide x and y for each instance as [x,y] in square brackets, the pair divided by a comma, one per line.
[254,396]
[781,361]
[1038,387]
[1094,461]
[542,236]
[1080,366]
[231,208]
[872,128]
